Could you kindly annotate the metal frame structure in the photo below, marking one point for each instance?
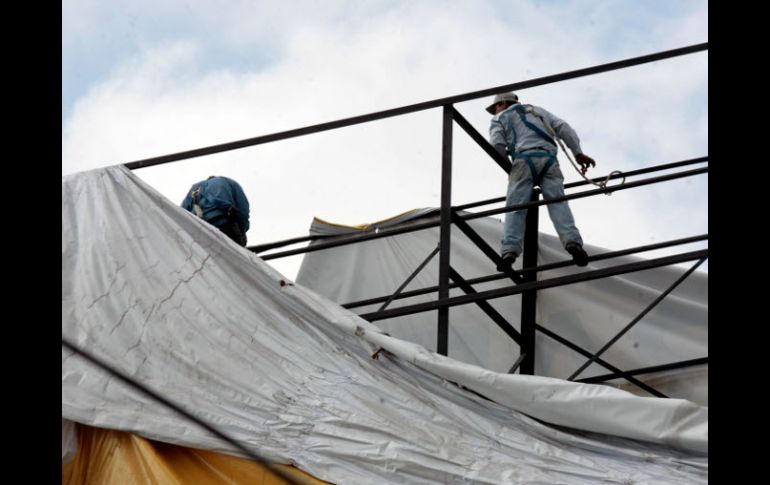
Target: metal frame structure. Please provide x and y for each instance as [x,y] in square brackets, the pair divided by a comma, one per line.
[525,280]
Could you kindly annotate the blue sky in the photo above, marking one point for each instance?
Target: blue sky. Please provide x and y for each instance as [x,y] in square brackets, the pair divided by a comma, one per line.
[144,78]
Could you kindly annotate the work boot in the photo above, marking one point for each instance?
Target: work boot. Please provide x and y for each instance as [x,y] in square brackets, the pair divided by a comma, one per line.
[579,256]
[507,261]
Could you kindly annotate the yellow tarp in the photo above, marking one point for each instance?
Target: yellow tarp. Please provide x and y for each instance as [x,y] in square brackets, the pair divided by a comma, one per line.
[117,457]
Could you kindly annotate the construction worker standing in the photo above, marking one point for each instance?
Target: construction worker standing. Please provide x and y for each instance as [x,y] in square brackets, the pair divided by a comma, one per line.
[527,133]
[220,201]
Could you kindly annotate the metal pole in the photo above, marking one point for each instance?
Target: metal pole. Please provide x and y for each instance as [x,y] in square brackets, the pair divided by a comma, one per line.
[482,244]
[504,163]
[632,173]
[486,307]
[611,66]
[635,320]
[536,285]
[538,269]
[287,242]
[387,232]
[410,278]
[601,362]
[647,370]
[529,298]
[517,363]
[442,342]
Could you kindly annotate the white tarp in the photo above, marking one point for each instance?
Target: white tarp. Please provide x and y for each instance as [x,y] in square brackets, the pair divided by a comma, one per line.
[588,314]
[174,303]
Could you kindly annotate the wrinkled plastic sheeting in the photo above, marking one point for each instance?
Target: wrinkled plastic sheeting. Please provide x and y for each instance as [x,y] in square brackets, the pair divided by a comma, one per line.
[589,314]
[174,303]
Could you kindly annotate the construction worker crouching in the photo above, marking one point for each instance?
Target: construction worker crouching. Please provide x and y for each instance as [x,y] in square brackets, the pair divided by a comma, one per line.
[220,201]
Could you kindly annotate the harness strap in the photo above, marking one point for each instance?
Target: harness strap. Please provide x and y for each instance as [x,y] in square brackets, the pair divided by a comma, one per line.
[521,110]
[196,208]
[527,157]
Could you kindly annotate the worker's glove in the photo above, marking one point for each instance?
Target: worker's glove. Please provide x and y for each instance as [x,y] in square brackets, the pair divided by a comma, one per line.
[585,162]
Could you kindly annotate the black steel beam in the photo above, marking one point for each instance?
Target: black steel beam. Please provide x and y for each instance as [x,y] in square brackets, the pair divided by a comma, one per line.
[537,285]
[516,364]
[538,269]
[633,322]
[646,370]
[588,193]
[501,322]
[503,162]
[529,297]
[607,365]
[223,147]
[353,238]
[258,248]
[410,277]
[401,230]
[442,342]
[286,242]
[483,246]
[632,173]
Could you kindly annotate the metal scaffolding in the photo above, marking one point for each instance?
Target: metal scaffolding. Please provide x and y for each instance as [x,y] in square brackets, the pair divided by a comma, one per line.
[524,281]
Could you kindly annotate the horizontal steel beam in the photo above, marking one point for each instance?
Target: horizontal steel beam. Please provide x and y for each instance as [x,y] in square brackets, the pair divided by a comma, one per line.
[632,173]
[537,269]
[600,361]
[379,115]
[536,285]
[387,232]
[588,193]
[646,370]
[656,168]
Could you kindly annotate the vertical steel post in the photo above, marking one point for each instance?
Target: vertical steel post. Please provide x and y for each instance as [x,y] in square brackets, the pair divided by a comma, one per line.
[529,298]
[442,342]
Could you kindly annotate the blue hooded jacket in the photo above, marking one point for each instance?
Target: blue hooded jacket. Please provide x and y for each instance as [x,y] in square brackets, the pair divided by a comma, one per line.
[215,196]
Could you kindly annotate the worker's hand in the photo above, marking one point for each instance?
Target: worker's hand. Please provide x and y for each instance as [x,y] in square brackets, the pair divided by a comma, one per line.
[585,162]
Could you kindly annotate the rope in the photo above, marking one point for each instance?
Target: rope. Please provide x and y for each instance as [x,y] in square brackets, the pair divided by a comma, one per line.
[602,184]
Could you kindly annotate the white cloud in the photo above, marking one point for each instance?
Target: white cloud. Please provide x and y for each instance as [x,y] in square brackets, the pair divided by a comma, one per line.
[347,61]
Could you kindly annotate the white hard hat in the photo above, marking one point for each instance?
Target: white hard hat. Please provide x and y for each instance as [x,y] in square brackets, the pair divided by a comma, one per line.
[511,97]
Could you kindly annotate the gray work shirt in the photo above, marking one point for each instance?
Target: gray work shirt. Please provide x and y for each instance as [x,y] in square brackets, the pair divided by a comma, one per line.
[508,132]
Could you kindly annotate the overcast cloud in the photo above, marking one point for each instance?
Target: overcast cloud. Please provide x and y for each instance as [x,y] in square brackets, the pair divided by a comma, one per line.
[147,78]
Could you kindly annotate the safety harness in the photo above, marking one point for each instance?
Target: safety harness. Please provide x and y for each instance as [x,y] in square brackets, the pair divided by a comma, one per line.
[522,110]
[528,154]
[231,214]
[196,208]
